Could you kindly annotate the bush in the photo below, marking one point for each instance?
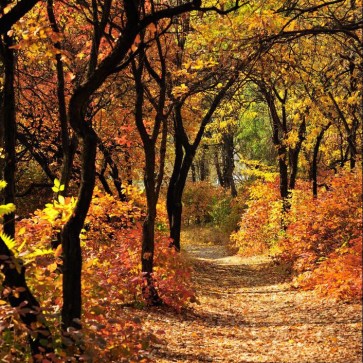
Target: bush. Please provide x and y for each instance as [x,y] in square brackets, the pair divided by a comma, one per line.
[321,239]
[111,277]
[204,204]
[260,225]
[198,201]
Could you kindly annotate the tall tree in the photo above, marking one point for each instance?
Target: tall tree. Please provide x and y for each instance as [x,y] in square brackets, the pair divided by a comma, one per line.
[151,128]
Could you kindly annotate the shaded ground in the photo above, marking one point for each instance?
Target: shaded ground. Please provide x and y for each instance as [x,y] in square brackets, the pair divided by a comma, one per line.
[247,313]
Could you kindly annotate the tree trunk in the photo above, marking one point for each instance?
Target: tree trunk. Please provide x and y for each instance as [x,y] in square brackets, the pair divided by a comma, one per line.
[102,178]
[203,165]
[148,236]
[314,165]
[176,212]
[72,257]
[279,131]
[294,155]
[114,172]
[218,168]
[128,167]
[228,163]
[184,156]
[175,193]
[8,121]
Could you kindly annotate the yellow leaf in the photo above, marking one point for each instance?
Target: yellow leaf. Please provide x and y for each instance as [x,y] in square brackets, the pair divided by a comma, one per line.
[58,251]
[21,231]
[52,267]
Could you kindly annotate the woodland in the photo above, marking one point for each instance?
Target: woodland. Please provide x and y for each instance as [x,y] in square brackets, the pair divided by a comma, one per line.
[181,181]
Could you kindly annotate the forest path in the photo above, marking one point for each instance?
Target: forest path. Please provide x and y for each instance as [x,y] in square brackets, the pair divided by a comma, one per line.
[247,313]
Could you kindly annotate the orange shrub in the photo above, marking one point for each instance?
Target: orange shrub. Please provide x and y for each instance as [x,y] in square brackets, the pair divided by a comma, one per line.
[339,275]
[322,238]
[111,276]
[260,224]
[198,200]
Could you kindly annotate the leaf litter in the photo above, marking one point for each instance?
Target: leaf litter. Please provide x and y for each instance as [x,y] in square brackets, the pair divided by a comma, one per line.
[248,312]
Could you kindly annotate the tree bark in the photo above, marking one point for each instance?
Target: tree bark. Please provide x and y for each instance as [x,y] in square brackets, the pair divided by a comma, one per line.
[8,121]
[314,165]
[72,256]
[114,172]
[218,168]
[69,145]
[294,155]
[148,236]
[228,163]
[278,124]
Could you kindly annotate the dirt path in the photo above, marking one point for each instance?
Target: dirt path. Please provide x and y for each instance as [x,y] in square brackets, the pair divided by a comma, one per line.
[247,313]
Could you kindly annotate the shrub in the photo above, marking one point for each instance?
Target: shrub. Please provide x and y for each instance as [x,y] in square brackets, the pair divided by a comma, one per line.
[321,239]
[259,227]
[111,277]
[198,201]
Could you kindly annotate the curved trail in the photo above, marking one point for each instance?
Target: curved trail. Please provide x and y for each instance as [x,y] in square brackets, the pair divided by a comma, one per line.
[247,313]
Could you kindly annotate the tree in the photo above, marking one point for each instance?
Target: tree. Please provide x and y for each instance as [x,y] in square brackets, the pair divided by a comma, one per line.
[151,127]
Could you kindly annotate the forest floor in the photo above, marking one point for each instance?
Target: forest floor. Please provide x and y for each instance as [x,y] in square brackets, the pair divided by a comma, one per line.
[248,312]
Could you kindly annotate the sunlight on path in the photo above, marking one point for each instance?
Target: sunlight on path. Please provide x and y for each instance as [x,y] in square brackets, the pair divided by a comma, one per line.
[248,313]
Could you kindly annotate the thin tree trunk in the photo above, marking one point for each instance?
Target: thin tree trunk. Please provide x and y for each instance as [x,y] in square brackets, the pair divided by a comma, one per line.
[203,166]
[218,168]
[101,177]
[228,163]
[174,197]
[314,165]
[128,167]
[294,155]
[114,172]
[72,256]
[8,120]
[184,156]
[69,145]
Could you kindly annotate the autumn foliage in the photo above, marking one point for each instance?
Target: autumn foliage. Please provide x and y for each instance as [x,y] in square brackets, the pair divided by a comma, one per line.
[322,239]
[112,277]
[151,116]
